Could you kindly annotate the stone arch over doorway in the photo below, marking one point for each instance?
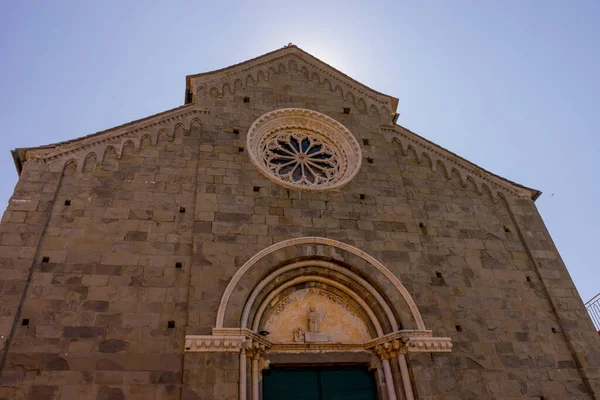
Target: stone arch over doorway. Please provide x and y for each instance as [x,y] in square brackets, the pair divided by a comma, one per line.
[354,260]
[288,290]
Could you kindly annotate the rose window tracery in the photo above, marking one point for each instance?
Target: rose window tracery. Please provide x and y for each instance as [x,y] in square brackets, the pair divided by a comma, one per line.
[301,158]
[303,149]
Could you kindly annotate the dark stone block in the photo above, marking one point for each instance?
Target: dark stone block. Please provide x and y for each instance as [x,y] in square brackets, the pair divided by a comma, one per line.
[42,392]
[233,217]
[504,348]
[566,365]
[576,388]
[95,305]
[202,227]
[108,393]
[83,332]
[522,336]
[225,239]
[112,346]
[114,320]
[594,358]
[136,236]
[108,365]
[53,362]
[189,395]
[399,227]
[513,361]
[395,256]
[168,377]
[109,270]
[544,361]
[140,214]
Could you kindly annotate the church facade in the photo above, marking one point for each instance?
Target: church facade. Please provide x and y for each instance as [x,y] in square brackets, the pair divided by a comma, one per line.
[279,236]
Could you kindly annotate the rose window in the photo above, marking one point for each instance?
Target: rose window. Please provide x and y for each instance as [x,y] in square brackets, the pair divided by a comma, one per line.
[302,159]
[303,149]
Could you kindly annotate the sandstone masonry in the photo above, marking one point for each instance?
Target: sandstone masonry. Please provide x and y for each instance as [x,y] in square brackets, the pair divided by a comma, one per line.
[116,246]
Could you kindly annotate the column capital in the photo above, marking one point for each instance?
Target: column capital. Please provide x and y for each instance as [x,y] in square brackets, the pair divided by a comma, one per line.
[390,349]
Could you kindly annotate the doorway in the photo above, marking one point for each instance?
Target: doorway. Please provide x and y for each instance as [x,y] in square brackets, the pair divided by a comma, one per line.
[319,383]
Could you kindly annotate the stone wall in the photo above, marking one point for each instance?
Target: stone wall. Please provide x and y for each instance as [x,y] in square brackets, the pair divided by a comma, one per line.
[102,307]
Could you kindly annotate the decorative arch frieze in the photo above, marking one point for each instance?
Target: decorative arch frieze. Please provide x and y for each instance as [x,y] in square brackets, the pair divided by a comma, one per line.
[453,164]
[286,60]
[114,141]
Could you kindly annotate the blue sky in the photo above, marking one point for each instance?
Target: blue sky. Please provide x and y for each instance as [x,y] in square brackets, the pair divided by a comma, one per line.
[510,85]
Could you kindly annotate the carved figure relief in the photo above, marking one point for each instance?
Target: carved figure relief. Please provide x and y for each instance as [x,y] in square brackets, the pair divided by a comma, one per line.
[315,316]
[314,320]
[299,335]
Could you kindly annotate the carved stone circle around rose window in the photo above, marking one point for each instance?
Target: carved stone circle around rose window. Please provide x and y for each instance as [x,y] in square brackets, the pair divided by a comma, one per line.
[303,149]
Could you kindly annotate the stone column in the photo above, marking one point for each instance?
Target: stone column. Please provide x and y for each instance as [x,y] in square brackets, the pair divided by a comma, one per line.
[385,351]
[255,351]
[243,385]
[389,380]
[255,389]
[406,384]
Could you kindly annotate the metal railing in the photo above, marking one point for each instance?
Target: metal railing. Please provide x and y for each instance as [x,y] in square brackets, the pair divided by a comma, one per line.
[593,308]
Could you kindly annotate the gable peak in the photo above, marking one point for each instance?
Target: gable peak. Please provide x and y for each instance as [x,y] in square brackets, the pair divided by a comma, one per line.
[289,57]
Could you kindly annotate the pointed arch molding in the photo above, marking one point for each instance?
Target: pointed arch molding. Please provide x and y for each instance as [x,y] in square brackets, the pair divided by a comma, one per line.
[116,139]
[467,171]
[418,319]
[229,80]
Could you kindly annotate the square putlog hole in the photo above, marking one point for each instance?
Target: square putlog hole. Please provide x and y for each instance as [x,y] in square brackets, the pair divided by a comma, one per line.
[458,328]
[67,202]
[25,322]
[236,131]
[178,265]
[246,99]
[171,324]
[45,259]
[181,210]
[256,189]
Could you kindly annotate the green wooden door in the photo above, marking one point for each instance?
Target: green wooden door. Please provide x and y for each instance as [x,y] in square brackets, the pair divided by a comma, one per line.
[318,383]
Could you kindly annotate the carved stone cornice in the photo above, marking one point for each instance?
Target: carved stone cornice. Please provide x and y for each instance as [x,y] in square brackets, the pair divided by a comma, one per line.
[256,346]
[429,344]
[210,343]
[228,340]
[405,341]
[315,347]
[77,150]
[247,333]
[240,75]
[466,170]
